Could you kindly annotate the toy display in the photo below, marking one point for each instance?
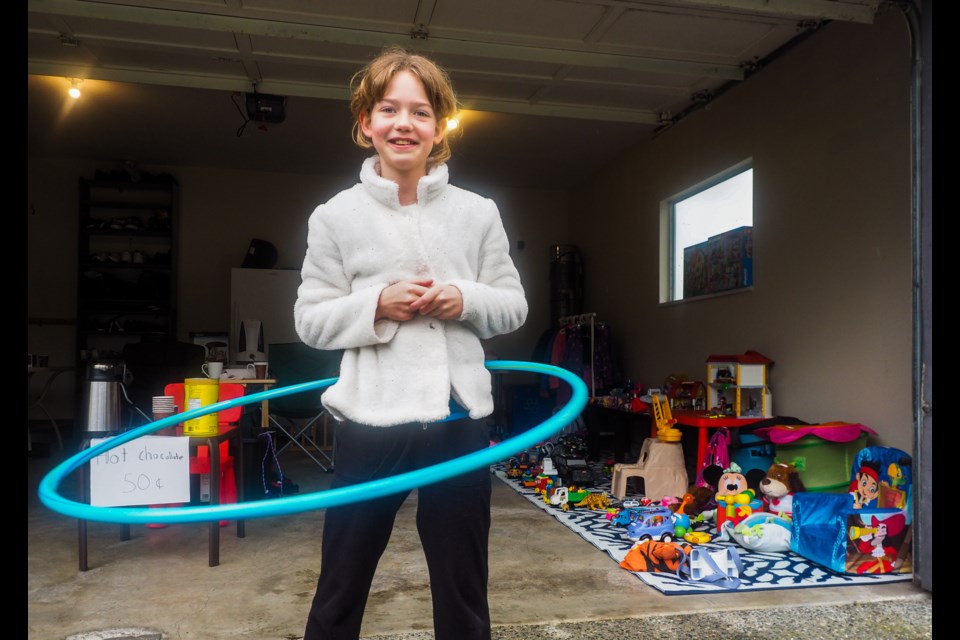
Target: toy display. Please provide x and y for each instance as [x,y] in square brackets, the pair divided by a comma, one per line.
[570,458]
[869,529]
[564,497]
[661,466]
[663,417]
[653,522]
[656,556]
[687,394]
[822,453]
[763,532]
[750,451]
[763,540]
[697,537]
[777,489]
[736,493]
[595,501]
[695,501]
[737,385]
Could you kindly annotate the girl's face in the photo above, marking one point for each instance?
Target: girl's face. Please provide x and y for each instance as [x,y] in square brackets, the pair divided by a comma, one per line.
[403,128]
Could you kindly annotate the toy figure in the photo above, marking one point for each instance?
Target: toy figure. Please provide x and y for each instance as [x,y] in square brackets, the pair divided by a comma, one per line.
[866,485]
[694,501]
[871,539]
[736,493]
[777,489]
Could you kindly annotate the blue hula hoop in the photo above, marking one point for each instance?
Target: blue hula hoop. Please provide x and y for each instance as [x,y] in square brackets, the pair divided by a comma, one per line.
[317,500]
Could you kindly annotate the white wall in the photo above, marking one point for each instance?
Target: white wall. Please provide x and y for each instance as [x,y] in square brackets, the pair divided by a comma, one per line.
[828,129]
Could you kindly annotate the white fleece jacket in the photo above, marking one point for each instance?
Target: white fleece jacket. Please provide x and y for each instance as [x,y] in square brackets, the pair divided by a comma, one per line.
[363,240]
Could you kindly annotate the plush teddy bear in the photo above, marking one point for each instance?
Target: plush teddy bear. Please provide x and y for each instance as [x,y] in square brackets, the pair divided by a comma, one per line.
[777,489]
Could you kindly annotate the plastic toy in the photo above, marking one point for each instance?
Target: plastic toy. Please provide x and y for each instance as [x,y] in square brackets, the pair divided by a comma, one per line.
[660,464]
[543,484]
[594,501]
[697,537]
[652,523]
[736,493]
[559,498]
[777,489]
[681,524]
[830,529]
[734,508]
[625,516]
[694,501]
[666,432]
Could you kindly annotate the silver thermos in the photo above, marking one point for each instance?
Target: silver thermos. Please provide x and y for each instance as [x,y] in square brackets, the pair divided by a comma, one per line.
[103,397]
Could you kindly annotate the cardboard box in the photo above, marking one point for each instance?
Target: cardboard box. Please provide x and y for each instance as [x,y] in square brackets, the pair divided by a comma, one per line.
[695,269]
[722,263]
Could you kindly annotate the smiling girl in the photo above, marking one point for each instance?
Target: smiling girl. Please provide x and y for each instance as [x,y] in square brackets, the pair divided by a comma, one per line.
[407,274]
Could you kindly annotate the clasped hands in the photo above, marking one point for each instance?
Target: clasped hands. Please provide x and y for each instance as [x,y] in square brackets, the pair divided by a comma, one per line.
[406,299]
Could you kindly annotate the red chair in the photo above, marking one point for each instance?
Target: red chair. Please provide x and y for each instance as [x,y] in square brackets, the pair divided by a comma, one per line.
[228,417]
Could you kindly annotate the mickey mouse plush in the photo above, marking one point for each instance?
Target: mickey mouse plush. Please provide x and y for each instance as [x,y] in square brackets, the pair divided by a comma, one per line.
[779,485]
[736,491]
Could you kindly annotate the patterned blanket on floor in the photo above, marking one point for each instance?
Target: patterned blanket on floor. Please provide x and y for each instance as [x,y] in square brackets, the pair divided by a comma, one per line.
[785,570]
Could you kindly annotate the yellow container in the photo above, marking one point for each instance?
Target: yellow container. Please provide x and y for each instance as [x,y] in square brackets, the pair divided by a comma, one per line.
[199,393]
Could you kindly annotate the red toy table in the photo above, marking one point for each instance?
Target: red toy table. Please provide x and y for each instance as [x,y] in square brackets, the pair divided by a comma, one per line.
[703,421]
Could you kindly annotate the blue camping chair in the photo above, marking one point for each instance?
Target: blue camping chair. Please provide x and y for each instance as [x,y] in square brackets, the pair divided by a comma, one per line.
[298,416]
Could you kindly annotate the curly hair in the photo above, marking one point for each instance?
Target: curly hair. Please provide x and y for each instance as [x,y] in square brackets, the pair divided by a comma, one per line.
[369,85]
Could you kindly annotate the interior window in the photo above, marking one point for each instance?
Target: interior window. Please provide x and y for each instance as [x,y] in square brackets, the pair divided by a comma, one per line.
[711,236]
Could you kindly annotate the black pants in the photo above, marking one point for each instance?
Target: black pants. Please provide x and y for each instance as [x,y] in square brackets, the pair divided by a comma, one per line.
[453,520]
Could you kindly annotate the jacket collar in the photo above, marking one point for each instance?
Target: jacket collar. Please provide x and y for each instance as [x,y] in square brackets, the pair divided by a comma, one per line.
[387,192]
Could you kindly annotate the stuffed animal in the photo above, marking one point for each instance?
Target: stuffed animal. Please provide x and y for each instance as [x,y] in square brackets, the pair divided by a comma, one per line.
[777,489]
[695,501]
[736,492]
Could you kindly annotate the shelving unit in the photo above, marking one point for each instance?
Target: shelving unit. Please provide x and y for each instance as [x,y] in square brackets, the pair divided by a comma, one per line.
[127,257]
[737,385]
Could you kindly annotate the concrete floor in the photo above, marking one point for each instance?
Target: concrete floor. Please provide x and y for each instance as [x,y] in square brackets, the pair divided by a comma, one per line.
[545,582]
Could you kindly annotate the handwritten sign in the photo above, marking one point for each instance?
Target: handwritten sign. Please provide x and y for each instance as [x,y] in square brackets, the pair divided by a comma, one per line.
[148,470]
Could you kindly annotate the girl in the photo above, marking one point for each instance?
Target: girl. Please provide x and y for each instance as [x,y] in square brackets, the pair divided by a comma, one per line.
[407,273]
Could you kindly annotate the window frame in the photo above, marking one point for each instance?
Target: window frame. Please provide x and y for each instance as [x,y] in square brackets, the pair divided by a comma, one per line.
[669,295]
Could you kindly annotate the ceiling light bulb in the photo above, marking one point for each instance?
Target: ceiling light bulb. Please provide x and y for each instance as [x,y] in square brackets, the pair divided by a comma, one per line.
[452,124]
[74,91]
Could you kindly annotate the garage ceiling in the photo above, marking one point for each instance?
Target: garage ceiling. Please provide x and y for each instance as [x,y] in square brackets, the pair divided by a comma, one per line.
[551,89]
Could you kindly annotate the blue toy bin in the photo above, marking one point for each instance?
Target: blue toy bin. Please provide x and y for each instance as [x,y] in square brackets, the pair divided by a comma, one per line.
[754,452]
[874,539]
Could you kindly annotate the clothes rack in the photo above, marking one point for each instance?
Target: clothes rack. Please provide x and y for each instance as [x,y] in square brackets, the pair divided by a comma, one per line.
[580,319]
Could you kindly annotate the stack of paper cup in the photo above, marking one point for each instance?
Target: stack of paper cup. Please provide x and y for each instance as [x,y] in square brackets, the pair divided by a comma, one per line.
[163,407]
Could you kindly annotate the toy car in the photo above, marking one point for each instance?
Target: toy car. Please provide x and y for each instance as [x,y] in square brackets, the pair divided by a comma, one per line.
[656,522]
[624,517]
[574,471]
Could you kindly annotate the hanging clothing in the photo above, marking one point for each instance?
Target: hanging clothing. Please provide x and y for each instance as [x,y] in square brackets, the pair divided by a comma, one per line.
[575,346]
